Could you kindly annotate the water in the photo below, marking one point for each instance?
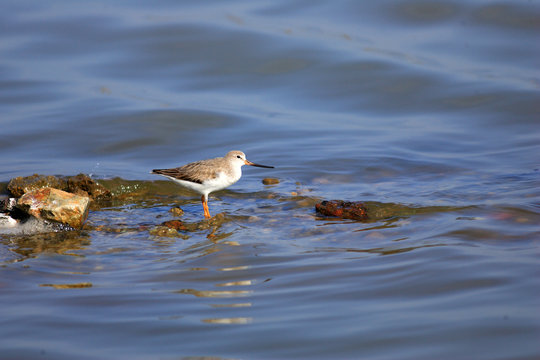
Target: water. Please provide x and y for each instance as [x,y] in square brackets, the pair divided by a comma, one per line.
[430,105]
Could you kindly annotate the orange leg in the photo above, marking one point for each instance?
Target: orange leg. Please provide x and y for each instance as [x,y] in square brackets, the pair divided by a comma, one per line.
[205,207]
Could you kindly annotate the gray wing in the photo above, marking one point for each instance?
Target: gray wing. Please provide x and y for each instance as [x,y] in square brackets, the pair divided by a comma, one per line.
[196,172]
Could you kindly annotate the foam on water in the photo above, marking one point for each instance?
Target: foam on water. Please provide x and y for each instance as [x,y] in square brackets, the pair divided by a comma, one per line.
[10,226]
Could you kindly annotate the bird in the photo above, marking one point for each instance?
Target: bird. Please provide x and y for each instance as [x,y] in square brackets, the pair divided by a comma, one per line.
[207,176]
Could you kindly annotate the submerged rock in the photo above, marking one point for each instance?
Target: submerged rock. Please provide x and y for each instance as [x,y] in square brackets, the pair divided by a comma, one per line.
[342,209]
[55,205]
[164,231]
[176,211]
[69,286]
[174,224]
[270,181]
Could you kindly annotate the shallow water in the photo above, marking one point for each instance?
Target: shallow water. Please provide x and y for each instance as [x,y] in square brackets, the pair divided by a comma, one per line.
[429,105]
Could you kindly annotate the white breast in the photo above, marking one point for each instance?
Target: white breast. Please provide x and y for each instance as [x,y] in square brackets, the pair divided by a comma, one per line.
[222,181]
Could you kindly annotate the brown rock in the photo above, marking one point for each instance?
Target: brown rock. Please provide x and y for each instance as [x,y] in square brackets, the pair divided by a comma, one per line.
[342,209]
[20,185]
[270,181]
[80,184]
[83,185]
[176,211]
[174,224]
[55,205]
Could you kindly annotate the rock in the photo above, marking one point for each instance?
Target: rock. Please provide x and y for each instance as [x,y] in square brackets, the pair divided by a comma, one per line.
[83,185]
[174,224]
[342,209]
[80,184]
[270,181]
[55,205]
[177,211]
[20,185]
[164,231]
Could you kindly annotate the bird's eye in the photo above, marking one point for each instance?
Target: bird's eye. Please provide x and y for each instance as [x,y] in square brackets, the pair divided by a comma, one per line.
[238,156]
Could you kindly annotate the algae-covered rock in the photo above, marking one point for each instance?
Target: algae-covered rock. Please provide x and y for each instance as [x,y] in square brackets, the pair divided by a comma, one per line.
[80,184]
[55,205]
[174,224]
[176,211]
[83,185]
[20,185]
[164,231]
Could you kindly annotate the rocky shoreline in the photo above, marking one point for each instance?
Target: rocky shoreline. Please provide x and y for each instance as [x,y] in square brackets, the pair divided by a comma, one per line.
[62,203]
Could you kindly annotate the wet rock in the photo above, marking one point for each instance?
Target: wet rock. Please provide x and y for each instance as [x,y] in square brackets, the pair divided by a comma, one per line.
[215,221]
[20,185]
[80,184]
[342,209]
[174,224]
[270,181]
[177,211]
[164,231]
[83,185]
[55,205]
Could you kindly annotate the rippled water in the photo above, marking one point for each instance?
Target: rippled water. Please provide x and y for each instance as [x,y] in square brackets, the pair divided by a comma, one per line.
[431,105]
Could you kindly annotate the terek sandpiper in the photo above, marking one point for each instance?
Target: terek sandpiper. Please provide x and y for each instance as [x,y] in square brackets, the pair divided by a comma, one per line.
[206,176]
